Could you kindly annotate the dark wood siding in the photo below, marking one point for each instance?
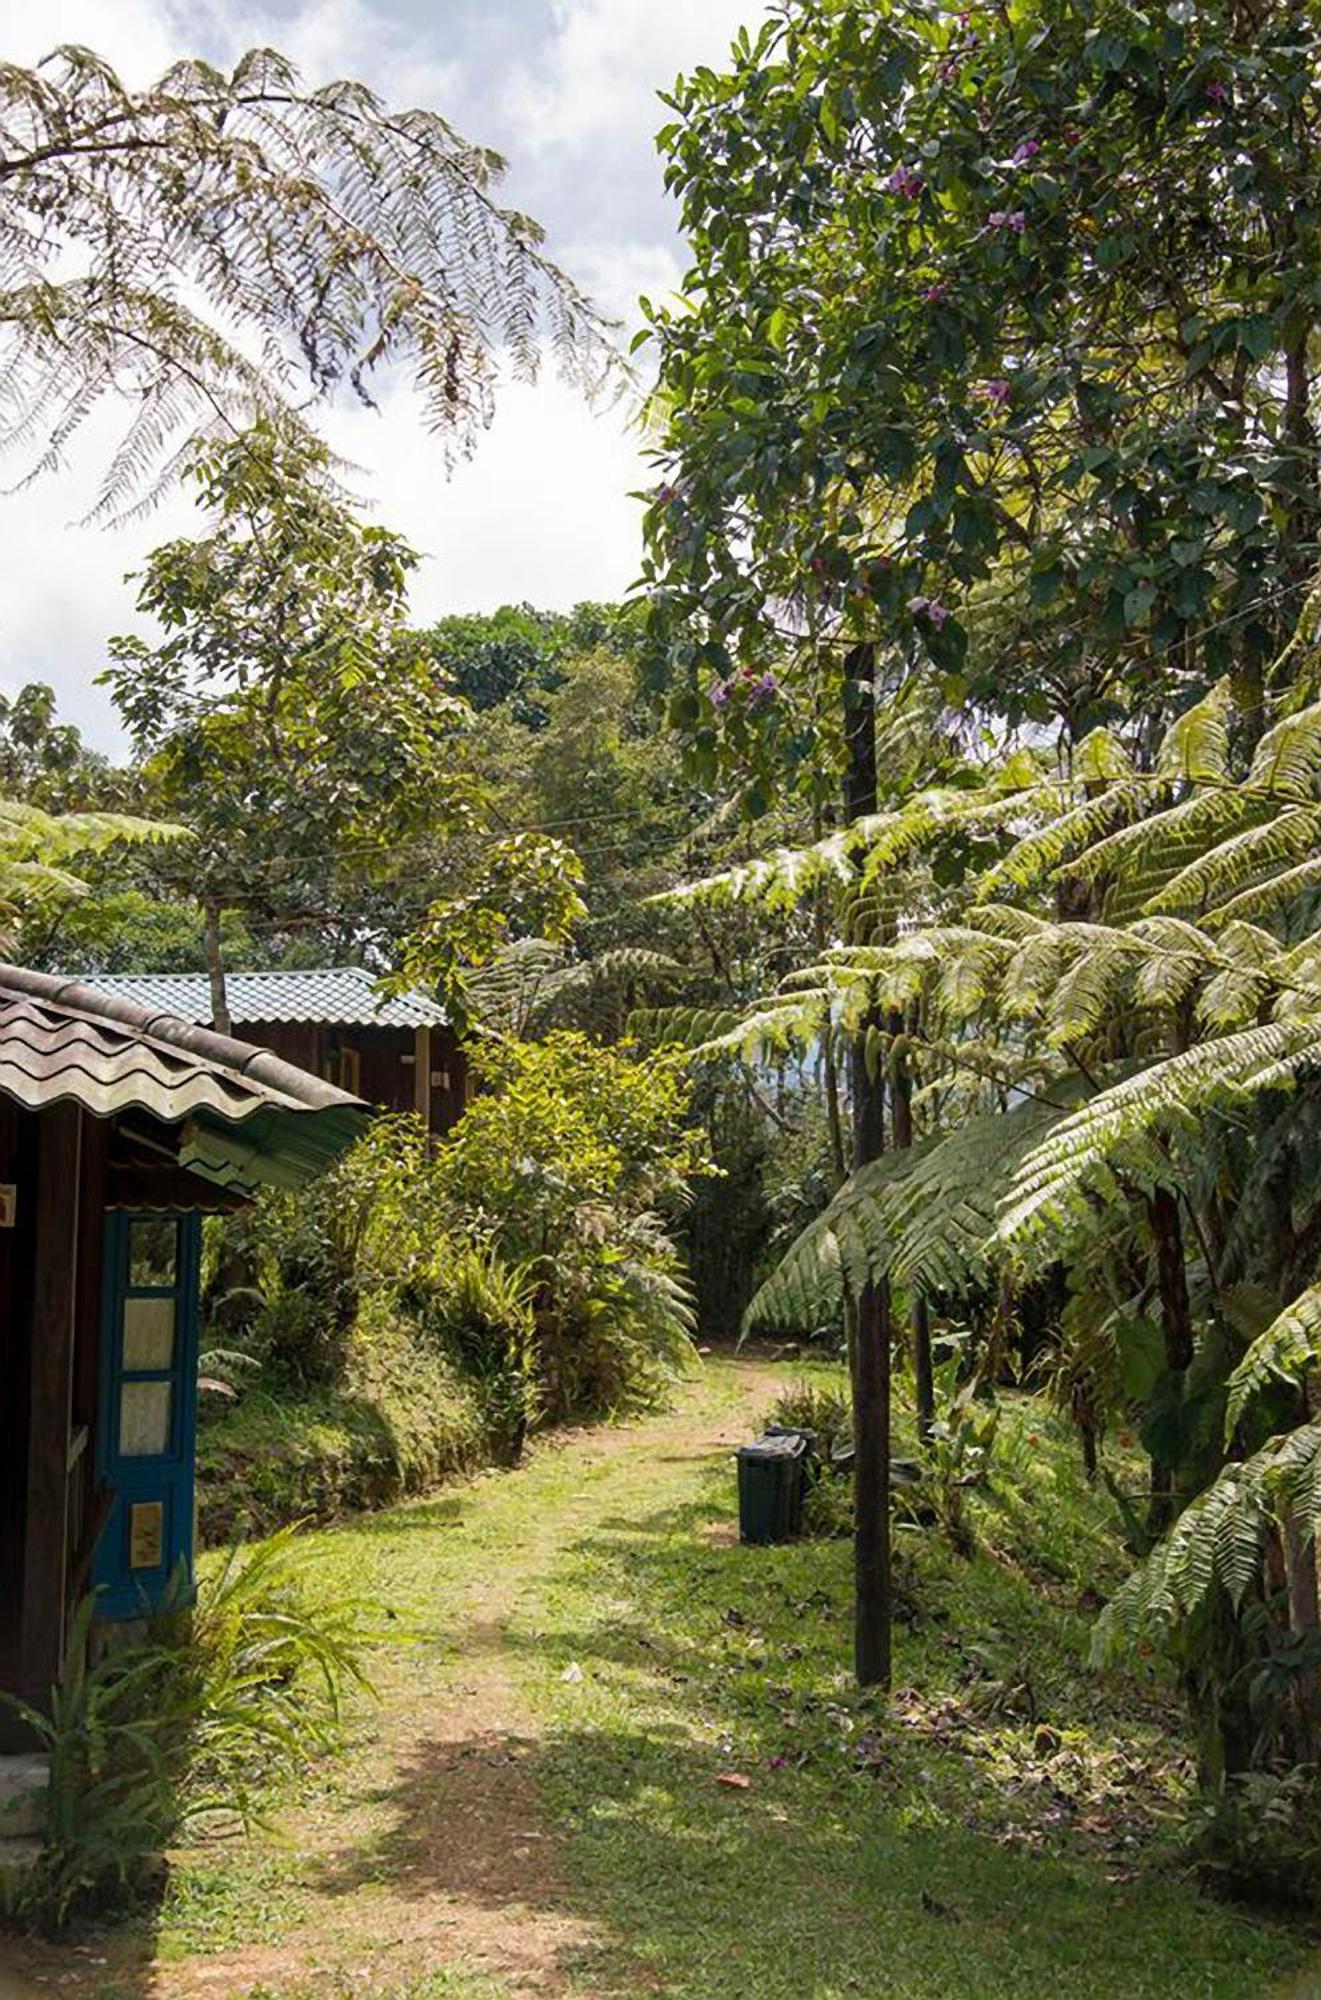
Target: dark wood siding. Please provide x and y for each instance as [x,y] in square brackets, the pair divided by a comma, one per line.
[384,1073]
[17,1168]
[53,1322]
[297,1042]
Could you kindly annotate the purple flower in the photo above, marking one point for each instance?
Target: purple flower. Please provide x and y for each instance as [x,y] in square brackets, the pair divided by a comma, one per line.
[906,180]
[1022,153]
[929,607]
[934,294]
[719,693]
[995,392]
[763,689]
[1217,92]
[1008,218]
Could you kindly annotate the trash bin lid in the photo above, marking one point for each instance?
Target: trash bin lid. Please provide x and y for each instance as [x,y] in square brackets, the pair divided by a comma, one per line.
[769,1449]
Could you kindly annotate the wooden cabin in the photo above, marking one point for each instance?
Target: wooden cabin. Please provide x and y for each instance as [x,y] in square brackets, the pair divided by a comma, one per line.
[399,1053]
[120,1126]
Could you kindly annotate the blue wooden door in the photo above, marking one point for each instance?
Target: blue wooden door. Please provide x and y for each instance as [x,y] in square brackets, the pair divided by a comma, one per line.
[147,1426]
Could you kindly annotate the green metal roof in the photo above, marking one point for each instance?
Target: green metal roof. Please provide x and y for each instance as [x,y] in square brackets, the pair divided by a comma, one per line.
[338,995]
[246,1119]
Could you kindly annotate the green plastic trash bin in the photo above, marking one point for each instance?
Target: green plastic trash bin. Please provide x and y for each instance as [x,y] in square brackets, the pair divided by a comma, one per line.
[770,1487]
[811,1442]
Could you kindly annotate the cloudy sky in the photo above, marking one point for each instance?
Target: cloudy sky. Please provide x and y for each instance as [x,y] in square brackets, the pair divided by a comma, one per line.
[566,90]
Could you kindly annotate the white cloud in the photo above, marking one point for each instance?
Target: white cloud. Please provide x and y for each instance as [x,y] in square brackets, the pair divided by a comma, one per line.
[617,275]
[540,513]
[137,36]
[608,58]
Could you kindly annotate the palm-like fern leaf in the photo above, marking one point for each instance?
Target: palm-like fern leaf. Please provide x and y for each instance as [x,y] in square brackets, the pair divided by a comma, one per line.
[926,1217]
[1290,1346]
[1216,1541]
[1118,1126]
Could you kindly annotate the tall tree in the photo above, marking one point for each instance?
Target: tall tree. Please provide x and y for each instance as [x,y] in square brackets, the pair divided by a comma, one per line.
[290,715]
[998,346]
[210,246]
[994,360]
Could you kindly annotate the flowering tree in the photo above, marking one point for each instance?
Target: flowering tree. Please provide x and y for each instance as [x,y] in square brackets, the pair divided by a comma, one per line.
[996,349]
[993,375]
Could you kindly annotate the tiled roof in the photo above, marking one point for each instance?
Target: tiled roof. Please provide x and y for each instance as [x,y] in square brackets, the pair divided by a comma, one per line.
[341,995]
[247,1118]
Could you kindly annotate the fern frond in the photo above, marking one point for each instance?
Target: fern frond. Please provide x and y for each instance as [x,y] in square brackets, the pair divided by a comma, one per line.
[1068,830]
[1290,1346]
[1287,760]
[1264,899]
[1196,744]
[1217,1542]
[925,1217]
[1281,836]
[1119,1125]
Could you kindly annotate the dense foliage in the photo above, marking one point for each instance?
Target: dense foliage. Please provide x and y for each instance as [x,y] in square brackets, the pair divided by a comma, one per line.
[193,1726]
[438,1305]
[997,542]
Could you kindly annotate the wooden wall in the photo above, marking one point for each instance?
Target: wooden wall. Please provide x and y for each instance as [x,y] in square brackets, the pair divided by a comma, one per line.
[50,1337]
[17,1169]
[386,1069]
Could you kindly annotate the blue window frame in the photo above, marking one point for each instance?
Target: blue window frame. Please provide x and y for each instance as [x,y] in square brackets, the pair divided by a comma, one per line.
[147,1421]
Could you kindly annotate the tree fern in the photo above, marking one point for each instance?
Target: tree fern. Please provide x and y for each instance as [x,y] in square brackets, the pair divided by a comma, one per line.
[1196,745]
[1287,760]
[1170,1098]
[1276,837]
[36,848]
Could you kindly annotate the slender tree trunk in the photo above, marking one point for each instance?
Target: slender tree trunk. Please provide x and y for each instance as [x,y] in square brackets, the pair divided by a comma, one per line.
[834,1117]
[1176,1326]
[871,1355]
[215,970]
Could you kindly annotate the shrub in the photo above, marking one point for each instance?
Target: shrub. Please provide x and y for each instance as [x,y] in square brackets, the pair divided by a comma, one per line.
[819,1407]
[481,1310]
[1262,1839]
[429,1306]
[246,1684]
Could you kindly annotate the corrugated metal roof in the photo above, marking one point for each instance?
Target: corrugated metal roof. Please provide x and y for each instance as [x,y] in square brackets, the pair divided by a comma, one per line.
[246,1117]
[340,995]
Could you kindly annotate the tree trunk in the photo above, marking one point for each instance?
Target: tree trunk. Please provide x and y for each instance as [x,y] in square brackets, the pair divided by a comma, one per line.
[1177,1328]
[871,1355]
[215,970]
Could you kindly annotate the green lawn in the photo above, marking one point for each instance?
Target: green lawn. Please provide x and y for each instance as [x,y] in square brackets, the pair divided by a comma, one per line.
[1007,1829]
[1009,1825]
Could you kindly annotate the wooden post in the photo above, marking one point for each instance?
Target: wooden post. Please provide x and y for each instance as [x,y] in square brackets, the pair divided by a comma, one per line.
[54,1300]
[422,1075]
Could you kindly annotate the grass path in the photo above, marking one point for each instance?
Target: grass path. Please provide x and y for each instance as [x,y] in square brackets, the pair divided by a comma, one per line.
[537,1807]
[426,1864]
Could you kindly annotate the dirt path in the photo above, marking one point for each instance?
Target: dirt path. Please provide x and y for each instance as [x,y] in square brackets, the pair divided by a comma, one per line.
[436,1852]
